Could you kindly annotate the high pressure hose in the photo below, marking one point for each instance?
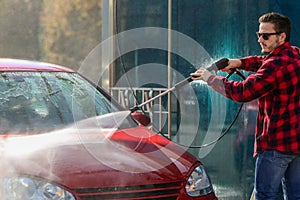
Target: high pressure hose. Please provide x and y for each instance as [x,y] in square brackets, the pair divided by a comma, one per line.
[233,71]
[220,64]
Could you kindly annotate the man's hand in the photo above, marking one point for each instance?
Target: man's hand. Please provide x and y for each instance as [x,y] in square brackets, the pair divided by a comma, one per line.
[201,74]
[232,64]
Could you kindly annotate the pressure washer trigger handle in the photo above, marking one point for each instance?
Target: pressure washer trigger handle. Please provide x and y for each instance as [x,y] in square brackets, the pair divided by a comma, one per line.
[220,64]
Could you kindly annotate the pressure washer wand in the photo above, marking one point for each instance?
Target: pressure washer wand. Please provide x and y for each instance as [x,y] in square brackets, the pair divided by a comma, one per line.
[220,64]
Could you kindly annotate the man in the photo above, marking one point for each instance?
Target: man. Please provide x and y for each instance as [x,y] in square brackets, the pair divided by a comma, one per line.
[276,85]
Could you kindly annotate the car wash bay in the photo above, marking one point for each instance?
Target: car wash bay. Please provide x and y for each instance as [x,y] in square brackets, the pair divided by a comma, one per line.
[223,29]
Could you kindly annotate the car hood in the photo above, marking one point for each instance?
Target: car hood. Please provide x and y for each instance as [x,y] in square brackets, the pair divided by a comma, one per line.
[87,157]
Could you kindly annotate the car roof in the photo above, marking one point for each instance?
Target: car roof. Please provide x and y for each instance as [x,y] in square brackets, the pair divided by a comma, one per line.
[7,64]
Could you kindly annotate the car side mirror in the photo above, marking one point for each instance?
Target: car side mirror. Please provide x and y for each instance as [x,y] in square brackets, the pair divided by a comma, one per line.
[141,118]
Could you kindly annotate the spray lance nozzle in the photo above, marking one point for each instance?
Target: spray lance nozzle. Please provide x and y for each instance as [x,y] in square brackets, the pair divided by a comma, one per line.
[220,64]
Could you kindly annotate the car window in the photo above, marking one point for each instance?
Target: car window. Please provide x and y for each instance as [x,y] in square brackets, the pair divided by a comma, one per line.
[32,102]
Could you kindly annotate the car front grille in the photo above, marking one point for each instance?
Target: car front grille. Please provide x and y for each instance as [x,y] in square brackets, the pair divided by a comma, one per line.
[165,191]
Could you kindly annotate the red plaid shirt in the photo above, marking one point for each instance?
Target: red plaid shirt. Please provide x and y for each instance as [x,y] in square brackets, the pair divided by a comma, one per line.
[276,85]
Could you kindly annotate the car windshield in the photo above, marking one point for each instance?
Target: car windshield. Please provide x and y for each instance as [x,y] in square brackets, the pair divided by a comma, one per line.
[36,102]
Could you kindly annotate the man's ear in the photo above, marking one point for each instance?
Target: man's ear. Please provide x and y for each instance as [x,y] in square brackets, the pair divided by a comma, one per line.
[282,37]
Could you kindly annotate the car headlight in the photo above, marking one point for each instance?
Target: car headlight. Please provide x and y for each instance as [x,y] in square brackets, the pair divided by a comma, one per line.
[198,183]
[18,188]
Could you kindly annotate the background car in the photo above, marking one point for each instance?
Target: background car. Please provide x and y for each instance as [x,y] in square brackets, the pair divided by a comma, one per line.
[63,138]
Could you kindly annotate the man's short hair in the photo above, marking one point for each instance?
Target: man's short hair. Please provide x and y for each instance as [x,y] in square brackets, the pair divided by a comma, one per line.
[281,23]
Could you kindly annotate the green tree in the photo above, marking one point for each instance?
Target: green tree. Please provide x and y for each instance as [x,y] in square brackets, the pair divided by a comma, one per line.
[71,29]
[19,25]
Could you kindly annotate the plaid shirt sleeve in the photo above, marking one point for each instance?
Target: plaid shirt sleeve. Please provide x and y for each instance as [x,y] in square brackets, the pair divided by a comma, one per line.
[276,85]
[256,85]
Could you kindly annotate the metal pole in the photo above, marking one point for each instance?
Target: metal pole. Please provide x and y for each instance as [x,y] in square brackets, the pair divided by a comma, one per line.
[169,63]
[107,31]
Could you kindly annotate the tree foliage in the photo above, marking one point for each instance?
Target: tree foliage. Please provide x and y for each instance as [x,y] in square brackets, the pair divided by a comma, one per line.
[71,29]
[57,31]
[19,25]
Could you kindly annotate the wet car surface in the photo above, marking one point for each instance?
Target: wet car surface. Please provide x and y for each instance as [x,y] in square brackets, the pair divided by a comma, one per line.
[63,138]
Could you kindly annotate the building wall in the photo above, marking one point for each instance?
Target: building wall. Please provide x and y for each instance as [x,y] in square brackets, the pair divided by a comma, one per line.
[224,28]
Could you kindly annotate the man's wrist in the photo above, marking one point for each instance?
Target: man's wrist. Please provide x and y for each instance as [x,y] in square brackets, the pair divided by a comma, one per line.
[206,76]
[209,79]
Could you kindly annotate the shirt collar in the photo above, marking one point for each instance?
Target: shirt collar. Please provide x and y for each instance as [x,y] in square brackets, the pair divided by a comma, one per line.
[280,48]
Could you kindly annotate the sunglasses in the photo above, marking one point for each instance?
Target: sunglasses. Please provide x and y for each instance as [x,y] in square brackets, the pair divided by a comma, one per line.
[265,36]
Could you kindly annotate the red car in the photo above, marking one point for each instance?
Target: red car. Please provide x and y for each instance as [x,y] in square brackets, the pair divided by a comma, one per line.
[63,138]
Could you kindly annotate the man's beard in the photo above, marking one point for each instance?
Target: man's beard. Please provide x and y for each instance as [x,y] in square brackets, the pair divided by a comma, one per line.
[269,49]
[265,51]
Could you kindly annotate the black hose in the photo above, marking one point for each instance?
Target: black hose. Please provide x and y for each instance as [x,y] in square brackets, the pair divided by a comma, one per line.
[216,66]
[227,129]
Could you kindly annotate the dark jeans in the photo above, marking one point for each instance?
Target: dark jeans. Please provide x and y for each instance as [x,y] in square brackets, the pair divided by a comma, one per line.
[273,168]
